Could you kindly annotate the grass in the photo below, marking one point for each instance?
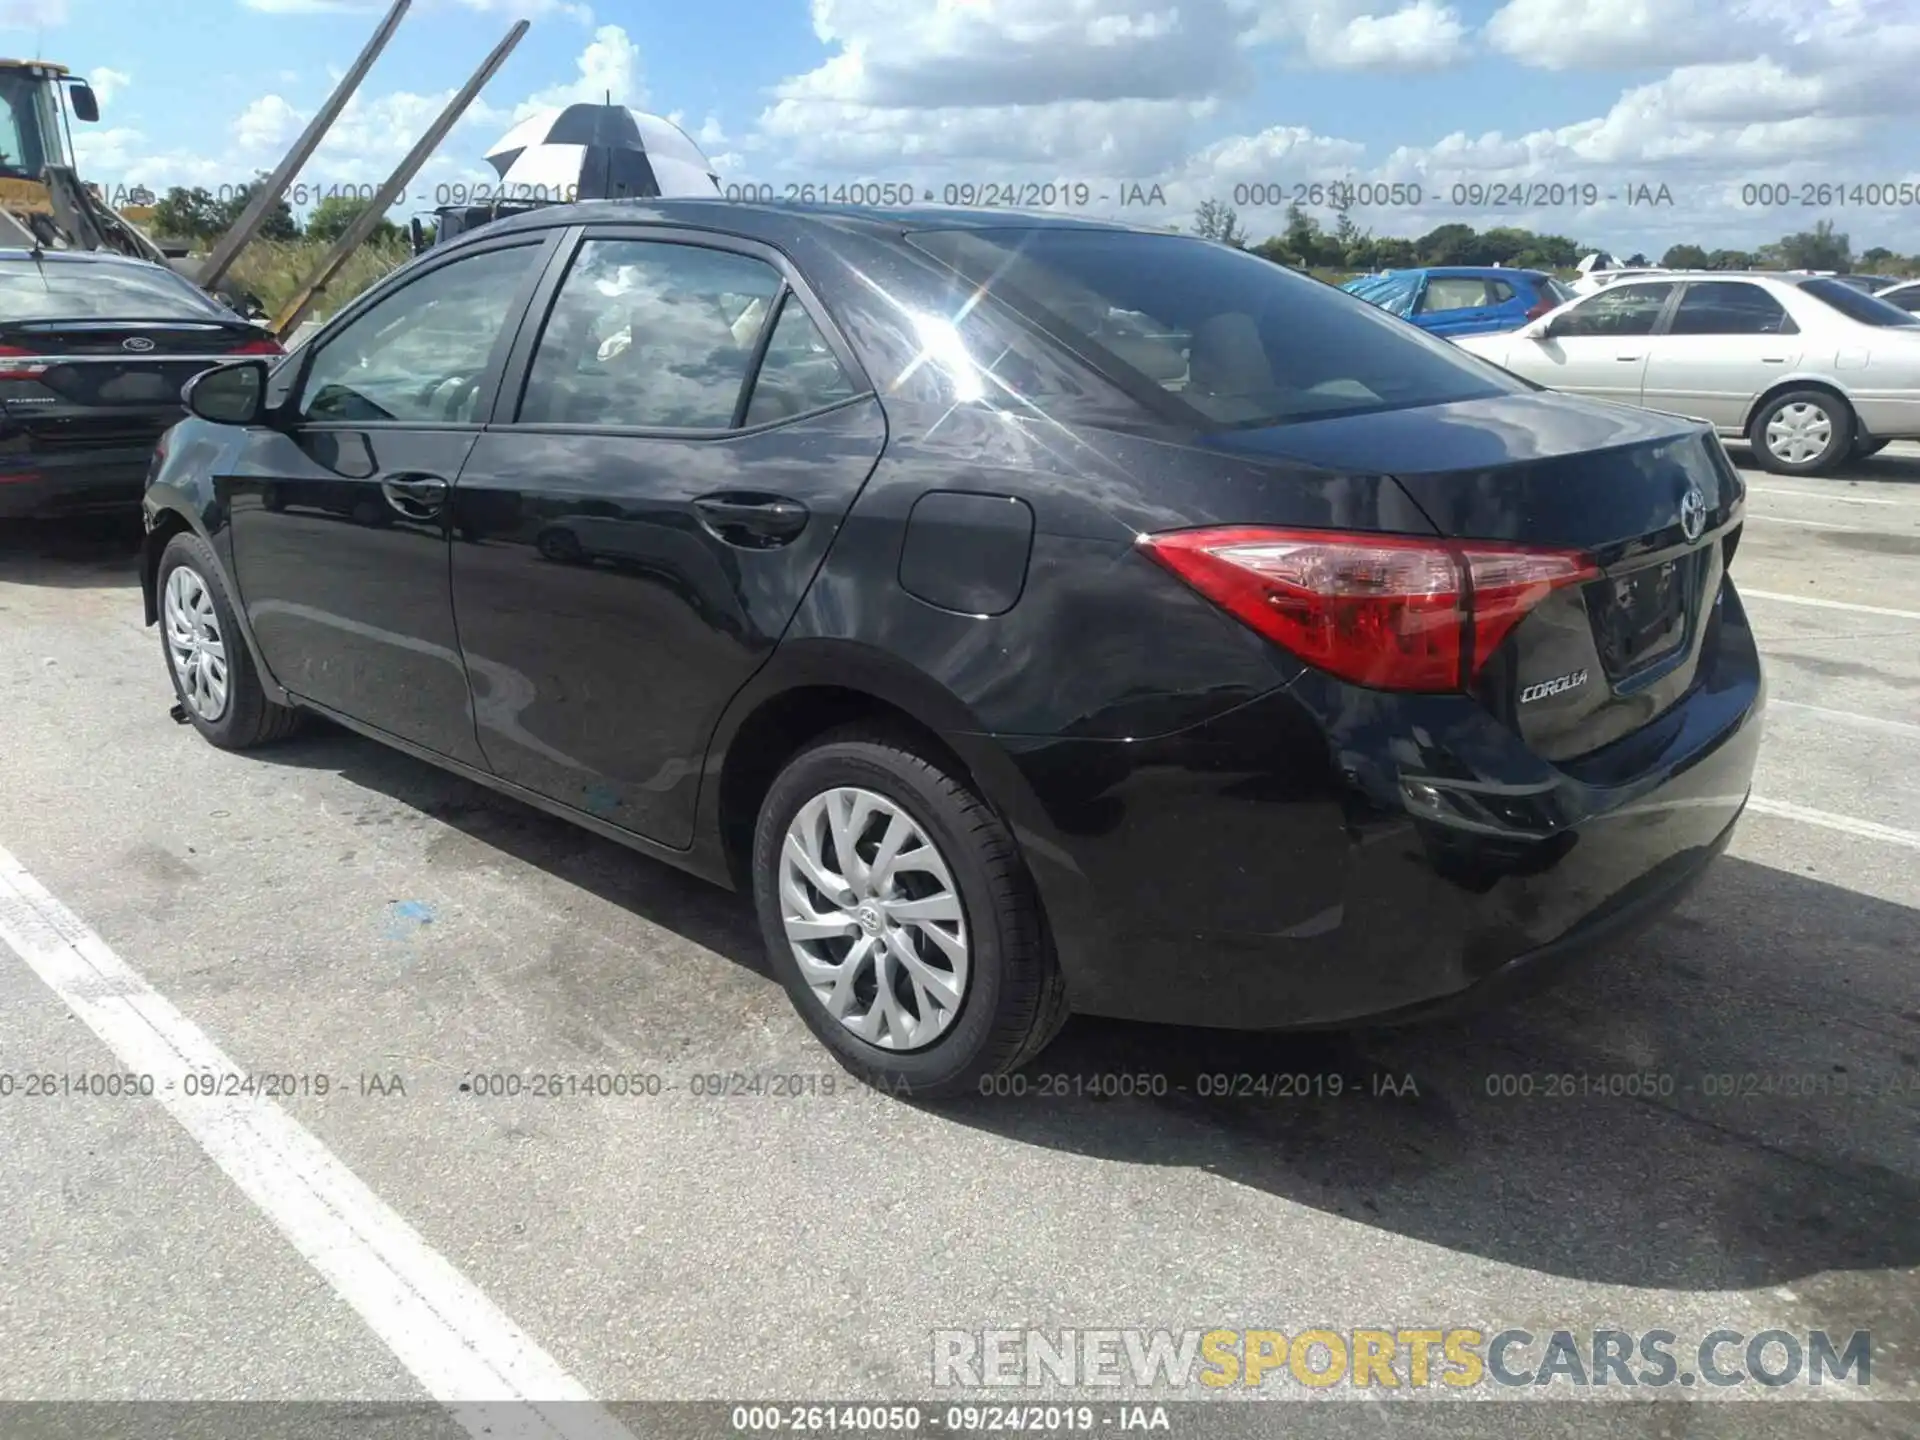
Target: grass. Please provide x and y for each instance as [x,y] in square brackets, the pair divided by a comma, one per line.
[275,270]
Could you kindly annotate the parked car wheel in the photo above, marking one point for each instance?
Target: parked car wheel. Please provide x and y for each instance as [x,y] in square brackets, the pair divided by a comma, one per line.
[207,658]
[1863,447]
[1803,432]
[900,918]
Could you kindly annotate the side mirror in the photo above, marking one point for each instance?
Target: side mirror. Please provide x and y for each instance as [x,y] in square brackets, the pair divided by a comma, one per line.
[86,105]
[229,394]
[418,233]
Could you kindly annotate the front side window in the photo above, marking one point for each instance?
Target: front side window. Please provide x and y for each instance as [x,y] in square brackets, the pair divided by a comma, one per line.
[650,334]
[1726,307]
[1617,310]
[419,354]
[1208,335]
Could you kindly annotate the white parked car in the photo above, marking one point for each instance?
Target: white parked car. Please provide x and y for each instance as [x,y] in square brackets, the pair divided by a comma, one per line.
[1906,295]
[1810,370]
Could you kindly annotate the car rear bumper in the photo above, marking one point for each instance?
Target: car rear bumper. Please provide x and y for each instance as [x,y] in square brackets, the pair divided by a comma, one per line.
[1328,855]
[87,482]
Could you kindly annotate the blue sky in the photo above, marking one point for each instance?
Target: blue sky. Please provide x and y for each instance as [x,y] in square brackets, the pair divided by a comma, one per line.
[1550,101]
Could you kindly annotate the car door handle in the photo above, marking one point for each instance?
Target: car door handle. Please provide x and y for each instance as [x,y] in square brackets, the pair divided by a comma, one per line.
[1773,359]
[757,522]
[1626,357]
[418,497]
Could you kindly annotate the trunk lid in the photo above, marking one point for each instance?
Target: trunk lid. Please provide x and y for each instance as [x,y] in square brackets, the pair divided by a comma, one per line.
[115,364]
[1652,498]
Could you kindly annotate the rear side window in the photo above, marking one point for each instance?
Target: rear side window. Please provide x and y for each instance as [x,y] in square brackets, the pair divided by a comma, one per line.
[1208,335]
[1619,309]
[1907,299]
[1867,309]
[1455,292]
[1725,307]
[88,290]
[651,335]
[799,372]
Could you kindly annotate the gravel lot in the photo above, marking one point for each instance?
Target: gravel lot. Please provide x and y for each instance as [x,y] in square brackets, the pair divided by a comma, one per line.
[331,908]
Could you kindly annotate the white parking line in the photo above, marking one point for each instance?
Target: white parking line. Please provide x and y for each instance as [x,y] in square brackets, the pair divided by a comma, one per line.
[1850,717]
[1782,598]
[467,1354]
[1827,820]
[1817,495]
[1797,522]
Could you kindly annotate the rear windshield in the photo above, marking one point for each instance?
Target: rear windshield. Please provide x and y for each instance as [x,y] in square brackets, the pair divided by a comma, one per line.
[1856,305]
[63,290]
[1209,335]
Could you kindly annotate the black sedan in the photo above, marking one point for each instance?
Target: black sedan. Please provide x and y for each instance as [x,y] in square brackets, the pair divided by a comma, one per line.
[1030,614]
[94,348]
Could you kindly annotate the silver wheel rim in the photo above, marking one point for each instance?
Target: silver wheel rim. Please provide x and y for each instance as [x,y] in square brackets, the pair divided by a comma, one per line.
[1799,432]
[873,918]
[194,646]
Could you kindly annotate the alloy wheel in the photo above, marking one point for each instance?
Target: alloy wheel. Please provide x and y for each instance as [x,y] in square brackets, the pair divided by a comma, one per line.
[874,919]
[1799,432]
[195,647]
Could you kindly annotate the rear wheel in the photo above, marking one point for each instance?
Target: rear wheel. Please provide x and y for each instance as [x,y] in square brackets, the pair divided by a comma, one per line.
[900,918]
[1803,432]
[1863,447]
[207,657]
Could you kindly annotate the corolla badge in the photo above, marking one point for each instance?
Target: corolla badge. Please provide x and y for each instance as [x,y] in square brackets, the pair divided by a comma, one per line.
[1559,685]
[138,343]
[1693,513]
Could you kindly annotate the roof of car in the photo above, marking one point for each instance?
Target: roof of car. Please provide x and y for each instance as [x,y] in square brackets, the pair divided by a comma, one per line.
[771,220]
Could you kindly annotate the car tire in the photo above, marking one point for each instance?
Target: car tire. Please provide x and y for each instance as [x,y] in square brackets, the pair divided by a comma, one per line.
[1011,999]
[1787,427]
[1864,447]
[195,610]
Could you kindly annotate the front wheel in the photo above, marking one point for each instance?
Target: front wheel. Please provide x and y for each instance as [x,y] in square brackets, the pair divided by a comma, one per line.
[207,657]
[899,916]
[1803,432]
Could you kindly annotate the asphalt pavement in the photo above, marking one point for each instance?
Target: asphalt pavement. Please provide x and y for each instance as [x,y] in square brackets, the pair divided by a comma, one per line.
[357,923]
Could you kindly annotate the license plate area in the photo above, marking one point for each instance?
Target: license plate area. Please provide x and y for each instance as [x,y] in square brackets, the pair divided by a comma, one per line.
[1642,617]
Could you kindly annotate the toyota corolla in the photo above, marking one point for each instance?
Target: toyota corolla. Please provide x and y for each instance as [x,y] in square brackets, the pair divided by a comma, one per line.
[1032,616]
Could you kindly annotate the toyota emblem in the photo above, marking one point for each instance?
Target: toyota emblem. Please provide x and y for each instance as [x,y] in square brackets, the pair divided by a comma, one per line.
[137,342]
[1693,513]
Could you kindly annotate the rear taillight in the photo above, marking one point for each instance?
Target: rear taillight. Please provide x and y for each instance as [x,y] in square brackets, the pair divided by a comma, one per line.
[1390,612]
[1545,305]
[18,364]
[258,347]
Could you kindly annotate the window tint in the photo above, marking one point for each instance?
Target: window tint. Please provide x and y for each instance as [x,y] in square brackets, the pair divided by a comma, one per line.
[1618,310]
[419,353]
[650,334]
[1907,298]
[1210,335]
[1729,308]
[99,290]
[1867,309]
[799,372]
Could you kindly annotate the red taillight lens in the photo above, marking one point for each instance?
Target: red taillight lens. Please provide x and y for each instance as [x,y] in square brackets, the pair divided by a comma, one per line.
[18,364]
[1545,305]
[1390,612]
[258,347]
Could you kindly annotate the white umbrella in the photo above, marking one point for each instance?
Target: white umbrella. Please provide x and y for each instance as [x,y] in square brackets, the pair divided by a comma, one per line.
[600,152]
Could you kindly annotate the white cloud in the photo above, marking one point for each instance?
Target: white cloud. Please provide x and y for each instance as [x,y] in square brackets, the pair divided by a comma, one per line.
[267,122]
[310,7]
[1423,36]
[609,67]
[108,83]
[32,14]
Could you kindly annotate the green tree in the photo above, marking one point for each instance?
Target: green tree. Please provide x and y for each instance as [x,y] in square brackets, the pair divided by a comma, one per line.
[1684,257]
[279,224]
[1215,221]
[333,215]
[1449,245]
[183,214]
[1732,260]
[1394,253]
[1816,249]
[1879,257]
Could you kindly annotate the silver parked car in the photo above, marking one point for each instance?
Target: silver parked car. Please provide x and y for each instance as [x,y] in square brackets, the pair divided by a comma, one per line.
[1810,370]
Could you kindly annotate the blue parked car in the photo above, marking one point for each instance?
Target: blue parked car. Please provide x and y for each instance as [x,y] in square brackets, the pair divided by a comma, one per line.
[1463,299]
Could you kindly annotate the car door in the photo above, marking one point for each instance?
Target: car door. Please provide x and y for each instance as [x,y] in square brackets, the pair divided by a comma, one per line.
[1598,347]
[339,508]
[677,443]
[1461,304]
[1724,343]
